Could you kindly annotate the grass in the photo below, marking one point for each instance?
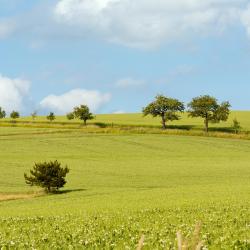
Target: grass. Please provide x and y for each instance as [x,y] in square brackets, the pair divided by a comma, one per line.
[123,186]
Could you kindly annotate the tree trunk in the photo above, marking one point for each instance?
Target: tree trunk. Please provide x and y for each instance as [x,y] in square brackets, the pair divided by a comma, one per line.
[85,122]
[164,126]
[206,125]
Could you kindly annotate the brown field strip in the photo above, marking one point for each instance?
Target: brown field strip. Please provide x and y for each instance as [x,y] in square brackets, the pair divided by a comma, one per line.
[8,197]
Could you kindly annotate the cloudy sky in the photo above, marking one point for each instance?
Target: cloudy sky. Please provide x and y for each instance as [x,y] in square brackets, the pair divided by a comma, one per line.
[116,55]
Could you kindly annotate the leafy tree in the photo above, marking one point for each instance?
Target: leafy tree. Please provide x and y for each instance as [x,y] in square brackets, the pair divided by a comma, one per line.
[236,126]
[2,113]
[207,107]
[70,116]
[165,107]
[48,175]
[14,115]
[34,115]
[82,112]
[51,117]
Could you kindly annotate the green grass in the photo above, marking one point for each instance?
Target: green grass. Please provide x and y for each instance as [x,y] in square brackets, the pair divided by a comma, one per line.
[123,186]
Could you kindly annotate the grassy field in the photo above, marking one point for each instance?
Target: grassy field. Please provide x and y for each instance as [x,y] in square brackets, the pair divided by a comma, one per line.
[123,186]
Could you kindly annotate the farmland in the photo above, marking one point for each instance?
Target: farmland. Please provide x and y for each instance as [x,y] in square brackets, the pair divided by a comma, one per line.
[124,185]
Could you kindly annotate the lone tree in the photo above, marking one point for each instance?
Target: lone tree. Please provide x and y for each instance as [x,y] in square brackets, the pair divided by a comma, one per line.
[2,113]
[236,126]
[14,115]
[34,115]
[207,107]
[165,107]
[51,117]
[48,175]
[82,112]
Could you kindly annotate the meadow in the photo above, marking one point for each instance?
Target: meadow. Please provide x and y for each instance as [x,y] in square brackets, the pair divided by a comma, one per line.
[122,186]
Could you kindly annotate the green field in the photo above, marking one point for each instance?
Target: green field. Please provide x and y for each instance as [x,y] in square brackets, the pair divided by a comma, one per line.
[123,186]
[137,119]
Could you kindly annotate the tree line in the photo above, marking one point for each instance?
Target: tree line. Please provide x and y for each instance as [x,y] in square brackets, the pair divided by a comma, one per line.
[169,109]
[206,107]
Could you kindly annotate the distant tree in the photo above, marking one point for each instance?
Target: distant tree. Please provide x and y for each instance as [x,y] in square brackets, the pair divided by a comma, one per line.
[165,107]
[207,107]
[14,115]
[236,126]
[34,115]
[51,117]
[70,116]
[82,112]
[48,175]
[2,113]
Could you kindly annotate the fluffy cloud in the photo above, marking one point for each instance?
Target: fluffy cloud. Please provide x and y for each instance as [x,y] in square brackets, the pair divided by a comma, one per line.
[13,93]
[147,23]
[129,82]
[66,102]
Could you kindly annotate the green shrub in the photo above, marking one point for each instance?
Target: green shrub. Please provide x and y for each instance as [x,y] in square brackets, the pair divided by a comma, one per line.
[48,175]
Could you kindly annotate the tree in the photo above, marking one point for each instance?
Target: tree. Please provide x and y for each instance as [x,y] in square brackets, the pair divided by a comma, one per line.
[48,175]
[2,113]
[34,115]
[82,112]
[207,107]
[236,126]
[51,117]
[165,107]
[70,116]
[14,115]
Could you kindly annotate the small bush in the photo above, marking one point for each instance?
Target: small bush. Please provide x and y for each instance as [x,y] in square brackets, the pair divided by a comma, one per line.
[70,116]
[48,175]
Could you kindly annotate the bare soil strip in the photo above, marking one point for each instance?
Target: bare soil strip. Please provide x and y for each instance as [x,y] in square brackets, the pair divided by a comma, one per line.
[8,197]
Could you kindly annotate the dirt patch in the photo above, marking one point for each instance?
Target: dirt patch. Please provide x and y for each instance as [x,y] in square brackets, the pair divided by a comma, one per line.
[18,196]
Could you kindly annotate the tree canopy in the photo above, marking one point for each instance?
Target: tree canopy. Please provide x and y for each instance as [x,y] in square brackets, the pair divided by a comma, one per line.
[51,117]
[165,107]
[208,108]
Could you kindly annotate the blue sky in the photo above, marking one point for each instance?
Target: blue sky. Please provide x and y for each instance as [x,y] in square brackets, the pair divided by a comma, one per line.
[116,55]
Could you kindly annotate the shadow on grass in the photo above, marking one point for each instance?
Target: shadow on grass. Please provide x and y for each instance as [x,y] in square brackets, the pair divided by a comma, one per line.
[69,191]
[221,129]
[181,127]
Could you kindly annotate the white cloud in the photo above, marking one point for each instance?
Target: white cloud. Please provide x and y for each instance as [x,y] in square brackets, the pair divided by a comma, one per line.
[129,82]
[245,18]
[147,23]
[6,28]
[13,93]
[66,102]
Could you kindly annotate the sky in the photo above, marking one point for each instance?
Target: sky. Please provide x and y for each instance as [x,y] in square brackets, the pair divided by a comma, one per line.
[117,55]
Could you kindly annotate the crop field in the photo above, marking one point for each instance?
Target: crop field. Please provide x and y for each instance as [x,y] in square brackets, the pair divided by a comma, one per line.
[123,186]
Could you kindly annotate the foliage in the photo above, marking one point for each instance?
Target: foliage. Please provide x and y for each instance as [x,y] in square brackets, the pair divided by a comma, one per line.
[14,115]
[236,126]
[51,117]
[207,107]
[70,116]
[83,113]
[48,175]
[164,107]
[2,113]
[223,228]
